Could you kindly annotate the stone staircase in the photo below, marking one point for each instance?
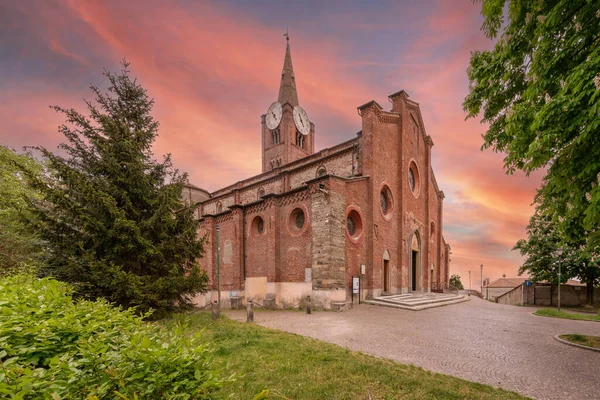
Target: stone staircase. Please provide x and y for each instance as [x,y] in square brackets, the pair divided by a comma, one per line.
[417,301]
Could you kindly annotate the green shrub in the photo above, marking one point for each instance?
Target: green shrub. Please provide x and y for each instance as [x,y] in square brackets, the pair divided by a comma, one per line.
[52,347]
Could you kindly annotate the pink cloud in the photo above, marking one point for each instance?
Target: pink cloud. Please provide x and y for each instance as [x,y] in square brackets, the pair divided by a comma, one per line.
[214,70]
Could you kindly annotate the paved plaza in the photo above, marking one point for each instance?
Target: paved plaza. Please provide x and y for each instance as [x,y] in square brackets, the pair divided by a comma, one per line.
[504,346]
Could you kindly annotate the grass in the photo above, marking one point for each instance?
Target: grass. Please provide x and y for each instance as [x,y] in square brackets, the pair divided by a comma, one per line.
[589,341]
[288,366]
[554,313]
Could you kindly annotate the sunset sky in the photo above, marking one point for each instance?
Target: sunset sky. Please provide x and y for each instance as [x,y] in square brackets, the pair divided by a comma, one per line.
[214,67]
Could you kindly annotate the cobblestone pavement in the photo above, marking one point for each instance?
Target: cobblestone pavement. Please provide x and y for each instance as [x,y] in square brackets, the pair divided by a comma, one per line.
[500,345]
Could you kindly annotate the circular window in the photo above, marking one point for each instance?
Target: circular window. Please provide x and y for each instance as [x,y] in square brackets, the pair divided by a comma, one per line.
[297,220]
[258,225]
[321,172]
[354,225]
[385,201]
[413,179]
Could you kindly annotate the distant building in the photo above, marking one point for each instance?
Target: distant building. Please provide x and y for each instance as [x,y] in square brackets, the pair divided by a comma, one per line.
[500,286]
[311,221]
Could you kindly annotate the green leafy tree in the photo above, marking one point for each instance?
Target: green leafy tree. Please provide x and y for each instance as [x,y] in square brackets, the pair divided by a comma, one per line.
[20,246]
[111,214]
[455,283]
[539,92]
[541,259]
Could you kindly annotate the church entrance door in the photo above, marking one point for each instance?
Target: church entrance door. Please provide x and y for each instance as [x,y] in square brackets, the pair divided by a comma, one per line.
[386,275]
[414,254]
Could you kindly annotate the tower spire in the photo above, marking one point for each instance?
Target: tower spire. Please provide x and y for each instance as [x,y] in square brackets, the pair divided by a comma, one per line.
[287,88]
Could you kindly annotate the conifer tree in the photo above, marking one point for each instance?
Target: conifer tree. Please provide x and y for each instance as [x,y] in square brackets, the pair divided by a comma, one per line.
[111,214]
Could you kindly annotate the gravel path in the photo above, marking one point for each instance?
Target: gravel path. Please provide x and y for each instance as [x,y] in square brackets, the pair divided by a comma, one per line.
[500,345]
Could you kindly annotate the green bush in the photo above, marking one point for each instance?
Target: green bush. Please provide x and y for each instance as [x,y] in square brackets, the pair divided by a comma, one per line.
[52,347]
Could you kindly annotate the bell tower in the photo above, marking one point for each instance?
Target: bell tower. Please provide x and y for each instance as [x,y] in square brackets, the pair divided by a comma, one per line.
[287,133]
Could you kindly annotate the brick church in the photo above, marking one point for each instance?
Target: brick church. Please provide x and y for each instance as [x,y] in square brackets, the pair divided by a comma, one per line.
[369,207]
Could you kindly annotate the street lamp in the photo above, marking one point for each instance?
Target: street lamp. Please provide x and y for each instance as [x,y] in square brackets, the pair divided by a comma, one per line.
[219,267]
[559,253]
[469,283]
[481,266]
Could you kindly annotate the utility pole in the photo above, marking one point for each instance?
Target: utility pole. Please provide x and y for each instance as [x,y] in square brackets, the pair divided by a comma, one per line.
[219,267]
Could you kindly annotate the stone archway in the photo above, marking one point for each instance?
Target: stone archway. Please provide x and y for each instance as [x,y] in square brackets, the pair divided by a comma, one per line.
[387,285]
[414,262]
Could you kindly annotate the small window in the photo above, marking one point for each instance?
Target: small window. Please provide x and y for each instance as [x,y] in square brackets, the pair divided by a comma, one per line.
[414,180]
[351,225]
[261,193]
[219,207]
[258,225]
[299,140]
[297,219]
[354,225]
[321,172]
[275,138]
[386,201]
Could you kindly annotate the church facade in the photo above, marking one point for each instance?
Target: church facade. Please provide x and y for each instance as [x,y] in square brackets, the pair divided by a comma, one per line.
[368,208]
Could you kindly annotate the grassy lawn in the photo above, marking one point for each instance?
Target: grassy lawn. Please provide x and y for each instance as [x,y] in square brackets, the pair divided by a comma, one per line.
[589,341]
[554,313]
[290,366]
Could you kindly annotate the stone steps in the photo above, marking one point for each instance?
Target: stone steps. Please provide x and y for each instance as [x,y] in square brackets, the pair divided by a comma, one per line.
[417,302]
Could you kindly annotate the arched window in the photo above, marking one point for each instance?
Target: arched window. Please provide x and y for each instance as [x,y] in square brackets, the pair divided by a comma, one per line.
[275,136]
[219,207]
[261,193]
[258,225]
[299,140]
[321,171]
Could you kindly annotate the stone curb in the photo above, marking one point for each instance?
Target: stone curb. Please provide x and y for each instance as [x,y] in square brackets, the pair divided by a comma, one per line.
[574,344]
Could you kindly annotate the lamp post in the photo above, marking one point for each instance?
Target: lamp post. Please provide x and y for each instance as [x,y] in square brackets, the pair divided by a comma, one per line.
[559,253]
[219,267]
[469,283]
[481,267]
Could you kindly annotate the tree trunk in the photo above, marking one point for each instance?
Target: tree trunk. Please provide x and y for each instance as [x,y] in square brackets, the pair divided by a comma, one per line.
[590,292]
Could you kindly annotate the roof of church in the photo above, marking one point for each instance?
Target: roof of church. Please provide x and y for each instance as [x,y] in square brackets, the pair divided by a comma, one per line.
[287,88]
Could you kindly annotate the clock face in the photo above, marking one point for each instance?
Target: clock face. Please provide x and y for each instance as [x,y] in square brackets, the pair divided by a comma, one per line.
[274,115]
[301,120]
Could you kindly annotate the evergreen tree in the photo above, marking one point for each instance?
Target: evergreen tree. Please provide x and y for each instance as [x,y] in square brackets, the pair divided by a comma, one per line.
[538,90]
[20,246]
[112,215]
